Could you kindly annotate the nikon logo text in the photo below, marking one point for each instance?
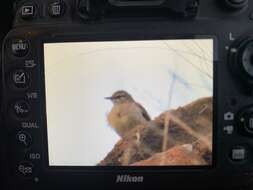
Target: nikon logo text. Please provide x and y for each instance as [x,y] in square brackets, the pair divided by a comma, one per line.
[129,179]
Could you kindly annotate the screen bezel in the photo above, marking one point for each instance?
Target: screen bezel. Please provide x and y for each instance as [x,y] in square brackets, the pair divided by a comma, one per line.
[132,37]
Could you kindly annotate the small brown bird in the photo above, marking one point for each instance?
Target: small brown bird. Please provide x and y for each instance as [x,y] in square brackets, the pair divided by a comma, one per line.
[126,114]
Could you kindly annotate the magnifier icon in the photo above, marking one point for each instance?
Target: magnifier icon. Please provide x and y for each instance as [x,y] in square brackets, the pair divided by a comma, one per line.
[22,138]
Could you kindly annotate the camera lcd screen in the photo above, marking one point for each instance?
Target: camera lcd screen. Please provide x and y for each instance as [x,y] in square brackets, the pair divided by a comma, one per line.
[129,103]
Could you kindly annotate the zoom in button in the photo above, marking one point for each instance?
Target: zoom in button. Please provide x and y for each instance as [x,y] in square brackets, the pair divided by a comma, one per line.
[24,139]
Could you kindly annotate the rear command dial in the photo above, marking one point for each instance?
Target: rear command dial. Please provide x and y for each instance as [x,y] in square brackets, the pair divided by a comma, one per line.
[241,60]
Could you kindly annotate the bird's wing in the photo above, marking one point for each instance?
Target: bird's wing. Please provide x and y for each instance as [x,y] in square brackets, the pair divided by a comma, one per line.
[144,112]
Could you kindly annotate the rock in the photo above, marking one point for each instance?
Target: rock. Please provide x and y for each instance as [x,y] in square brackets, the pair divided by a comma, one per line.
[176,156]
[188,125]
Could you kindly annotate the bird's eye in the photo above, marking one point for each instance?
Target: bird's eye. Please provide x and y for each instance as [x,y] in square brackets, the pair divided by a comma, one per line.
[120,96]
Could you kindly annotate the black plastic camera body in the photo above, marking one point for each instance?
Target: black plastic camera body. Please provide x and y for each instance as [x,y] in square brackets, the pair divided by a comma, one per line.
[228,22]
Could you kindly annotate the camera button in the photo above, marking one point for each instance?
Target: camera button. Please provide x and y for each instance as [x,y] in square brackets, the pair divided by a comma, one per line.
[21,109]
[24,139]
[57,8]
[19,47]
[238,154]
[20,79]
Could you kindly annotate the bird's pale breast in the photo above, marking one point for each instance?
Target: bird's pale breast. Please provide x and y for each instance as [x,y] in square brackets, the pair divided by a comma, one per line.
[124,117]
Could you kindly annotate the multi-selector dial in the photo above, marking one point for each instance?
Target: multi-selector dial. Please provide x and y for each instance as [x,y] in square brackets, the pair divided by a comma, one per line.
[241,60]
[245,121]
[241,65]
[236,4]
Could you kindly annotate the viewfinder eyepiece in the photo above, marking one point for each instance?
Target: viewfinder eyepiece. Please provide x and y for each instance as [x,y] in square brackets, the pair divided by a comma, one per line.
[128,3]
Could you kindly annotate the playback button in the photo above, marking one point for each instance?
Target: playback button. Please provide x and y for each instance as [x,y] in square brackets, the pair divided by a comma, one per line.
[27,11]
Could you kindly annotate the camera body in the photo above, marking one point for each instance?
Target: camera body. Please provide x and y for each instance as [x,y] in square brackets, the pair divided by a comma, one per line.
[227,23]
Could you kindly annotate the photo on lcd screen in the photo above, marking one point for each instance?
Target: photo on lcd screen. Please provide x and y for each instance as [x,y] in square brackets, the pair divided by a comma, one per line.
[129,103]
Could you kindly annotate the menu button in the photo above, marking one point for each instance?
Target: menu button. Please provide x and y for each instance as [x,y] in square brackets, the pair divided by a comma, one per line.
[19,47]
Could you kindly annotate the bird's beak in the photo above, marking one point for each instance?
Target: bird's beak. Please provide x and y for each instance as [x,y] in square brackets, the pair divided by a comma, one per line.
[108,98]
